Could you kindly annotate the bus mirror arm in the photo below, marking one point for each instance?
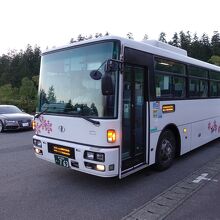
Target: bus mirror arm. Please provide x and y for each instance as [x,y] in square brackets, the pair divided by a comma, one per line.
[113,65]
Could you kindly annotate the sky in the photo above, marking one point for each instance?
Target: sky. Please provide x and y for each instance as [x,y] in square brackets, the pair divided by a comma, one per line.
[49,23]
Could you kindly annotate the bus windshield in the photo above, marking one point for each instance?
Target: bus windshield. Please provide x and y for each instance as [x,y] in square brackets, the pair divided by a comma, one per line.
[66,86]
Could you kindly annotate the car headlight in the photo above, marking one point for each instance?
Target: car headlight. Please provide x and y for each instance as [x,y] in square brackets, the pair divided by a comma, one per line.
[10,122]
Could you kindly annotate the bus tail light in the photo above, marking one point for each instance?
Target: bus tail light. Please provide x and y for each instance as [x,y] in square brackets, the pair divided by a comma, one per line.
[111,136]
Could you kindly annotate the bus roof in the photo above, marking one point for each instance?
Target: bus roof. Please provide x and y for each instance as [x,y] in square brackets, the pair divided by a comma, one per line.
[150,46]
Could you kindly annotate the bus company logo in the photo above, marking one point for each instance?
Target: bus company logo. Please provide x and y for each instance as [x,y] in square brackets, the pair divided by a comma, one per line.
[61,128]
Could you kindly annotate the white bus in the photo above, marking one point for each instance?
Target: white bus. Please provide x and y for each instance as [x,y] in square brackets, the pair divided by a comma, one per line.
[112,106]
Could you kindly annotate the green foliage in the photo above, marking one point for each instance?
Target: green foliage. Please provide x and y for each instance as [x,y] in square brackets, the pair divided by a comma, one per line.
[200,48]
[215,60]
[28,95]
[19,76]
[175,40]
[215,42]
[7,92]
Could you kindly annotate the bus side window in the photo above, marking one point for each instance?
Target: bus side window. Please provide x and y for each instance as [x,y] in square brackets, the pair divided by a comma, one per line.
[179,86]
[194,87]
[203,88]
[163,85]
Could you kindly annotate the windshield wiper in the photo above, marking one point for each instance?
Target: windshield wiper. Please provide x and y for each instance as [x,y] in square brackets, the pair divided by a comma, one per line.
[97,123]
[40,113]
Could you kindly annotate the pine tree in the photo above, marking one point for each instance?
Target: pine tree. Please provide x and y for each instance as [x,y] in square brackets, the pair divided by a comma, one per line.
[130,36]
[162,37]
[215,43]
[175,40]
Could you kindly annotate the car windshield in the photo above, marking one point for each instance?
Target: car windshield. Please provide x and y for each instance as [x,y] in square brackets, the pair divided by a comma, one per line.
[66,85]
[9,110]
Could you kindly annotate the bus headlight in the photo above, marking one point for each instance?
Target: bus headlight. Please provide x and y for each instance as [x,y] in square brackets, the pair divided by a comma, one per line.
[89,155]
[100,157]
[38,151]
[93,166]
[95,156]
[100,167]
[37,143]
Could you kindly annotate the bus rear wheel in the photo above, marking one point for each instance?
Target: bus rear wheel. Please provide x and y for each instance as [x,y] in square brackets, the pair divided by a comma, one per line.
[165,153]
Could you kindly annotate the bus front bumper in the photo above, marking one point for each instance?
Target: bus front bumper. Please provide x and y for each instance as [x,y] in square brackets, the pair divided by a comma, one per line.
[99,161]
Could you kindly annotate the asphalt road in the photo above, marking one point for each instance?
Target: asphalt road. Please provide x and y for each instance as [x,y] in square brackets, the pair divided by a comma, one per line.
[31,188]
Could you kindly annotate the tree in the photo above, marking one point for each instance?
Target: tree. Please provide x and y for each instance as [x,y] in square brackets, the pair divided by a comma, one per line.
[7,92]
[5,61]
[51,98]
[130,36]
[97,35]
[195,46]
[162,37]
[28,94]
[35,79]
[72,40]
[17,65]
[175,40]
[80,37]
[215,60]
[89,37]
[185,41]
[215,43]
[205,51]
[145,37]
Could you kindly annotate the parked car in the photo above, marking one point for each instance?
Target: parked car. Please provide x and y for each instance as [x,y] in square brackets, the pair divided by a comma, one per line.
[13,118]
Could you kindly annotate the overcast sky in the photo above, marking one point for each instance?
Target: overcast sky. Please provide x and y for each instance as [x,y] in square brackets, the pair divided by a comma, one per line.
[55,22]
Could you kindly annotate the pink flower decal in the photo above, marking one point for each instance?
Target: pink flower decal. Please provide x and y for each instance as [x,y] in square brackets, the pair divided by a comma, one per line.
[43,125]
[209,125]
[214,127]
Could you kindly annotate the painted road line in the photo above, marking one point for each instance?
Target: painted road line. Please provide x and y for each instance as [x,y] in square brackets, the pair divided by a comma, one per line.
[166,202]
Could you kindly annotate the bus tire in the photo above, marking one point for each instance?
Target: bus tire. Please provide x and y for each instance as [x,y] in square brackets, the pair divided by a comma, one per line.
[165,152]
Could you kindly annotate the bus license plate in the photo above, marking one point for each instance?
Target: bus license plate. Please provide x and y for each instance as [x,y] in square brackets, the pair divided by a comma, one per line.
[62,161]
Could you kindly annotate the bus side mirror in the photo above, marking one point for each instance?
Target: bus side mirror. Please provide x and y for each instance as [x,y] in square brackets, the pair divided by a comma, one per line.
[107,85]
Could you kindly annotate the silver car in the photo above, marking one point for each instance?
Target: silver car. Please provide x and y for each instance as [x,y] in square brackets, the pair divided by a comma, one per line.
[13,118]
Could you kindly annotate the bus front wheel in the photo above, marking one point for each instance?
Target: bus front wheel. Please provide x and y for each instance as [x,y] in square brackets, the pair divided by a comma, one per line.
[165,152]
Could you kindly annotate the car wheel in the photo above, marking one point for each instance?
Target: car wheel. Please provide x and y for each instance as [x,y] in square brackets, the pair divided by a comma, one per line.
[165,153]
[1,127]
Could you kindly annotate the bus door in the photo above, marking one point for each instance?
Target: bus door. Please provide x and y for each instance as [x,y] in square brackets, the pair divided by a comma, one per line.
[134,117]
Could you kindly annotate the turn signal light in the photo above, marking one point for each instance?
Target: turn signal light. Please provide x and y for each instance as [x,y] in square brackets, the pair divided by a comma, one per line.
[111,136]
[33,124]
